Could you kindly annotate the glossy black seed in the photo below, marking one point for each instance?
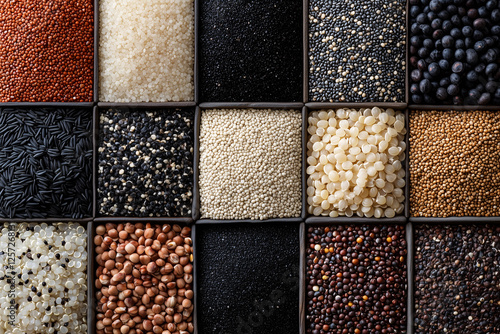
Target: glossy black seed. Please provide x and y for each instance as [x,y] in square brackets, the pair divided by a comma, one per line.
[416,75]
[453,90]
[460,54]
[441,93]
[457,67]
[480,46]
[472,76]
[467,31]
[425,86]
[464,33]
[455,78]
[491,69]
[433,69]
[484,99]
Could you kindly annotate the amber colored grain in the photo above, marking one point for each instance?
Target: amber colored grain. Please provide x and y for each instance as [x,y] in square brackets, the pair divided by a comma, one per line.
[454,163]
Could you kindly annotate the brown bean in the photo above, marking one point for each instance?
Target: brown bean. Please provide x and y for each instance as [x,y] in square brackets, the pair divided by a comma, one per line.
[188,269]
[113,234]
[100,230]
[149,251]
[178,240]
[139,290]
[178,270]
[123,235]
[149,233]
[173,259]
[186,303]
[156,309]
[152,267]
[148,325]
[146,299]
[145,259]
[162,237]
[134,258]
[109,264]
[158,319]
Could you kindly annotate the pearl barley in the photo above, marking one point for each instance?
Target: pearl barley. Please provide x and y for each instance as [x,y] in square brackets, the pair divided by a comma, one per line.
[357,170]
[250,164]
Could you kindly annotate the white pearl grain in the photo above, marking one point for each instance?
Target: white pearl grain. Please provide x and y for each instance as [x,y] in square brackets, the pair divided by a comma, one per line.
[355,168]
[42,273]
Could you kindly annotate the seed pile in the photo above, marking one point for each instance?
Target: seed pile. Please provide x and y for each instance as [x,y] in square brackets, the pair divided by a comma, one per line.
[47,284]
[146,163]
[144,279]
[42,60]
[250,163]
[356,279]
[357,51]
[245,284]
[454,163]
[354,162]
[45,163]
[454,52]
[457,288]
[146,50]
[251,50]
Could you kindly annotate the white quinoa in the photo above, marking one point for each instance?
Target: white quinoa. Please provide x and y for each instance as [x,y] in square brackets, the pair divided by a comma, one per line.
[250,164]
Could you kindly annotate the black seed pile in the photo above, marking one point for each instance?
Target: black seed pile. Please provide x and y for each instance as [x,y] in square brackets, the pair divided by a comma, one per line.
[357,51]
[146,163]
[251,50]
[45,163]
[248,278]
[356,279]
[455,52]
[457,281]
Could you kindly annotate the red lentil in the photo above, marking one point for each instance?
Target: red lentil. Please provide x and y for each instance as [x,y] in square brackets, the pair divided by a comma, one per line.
[46,50]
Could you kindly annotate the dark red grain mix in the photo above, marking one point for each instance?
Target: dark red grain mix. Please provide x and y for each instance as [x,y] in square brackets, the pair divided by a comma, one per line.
[457,282]
[356,279]
[46,50]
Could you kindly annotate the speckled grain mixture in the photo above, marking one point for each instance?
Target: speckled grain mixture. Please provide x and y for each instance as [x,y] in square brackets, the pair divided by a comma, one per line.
[357,51]
[145,163]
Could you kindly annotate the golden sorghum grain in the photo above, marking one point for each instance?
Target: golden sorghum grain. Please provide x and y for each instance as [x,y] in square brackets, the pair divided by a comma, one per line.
[454,163]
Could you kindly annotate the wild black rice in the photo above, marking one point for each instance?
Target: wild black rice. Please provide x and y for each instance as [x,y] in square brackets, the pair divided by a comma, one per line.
[45,163]
[146,163]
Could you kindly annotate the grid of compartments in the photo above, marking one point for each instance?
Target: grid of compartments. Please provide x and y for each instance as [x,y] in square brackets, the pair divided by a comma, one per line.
[300,166]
